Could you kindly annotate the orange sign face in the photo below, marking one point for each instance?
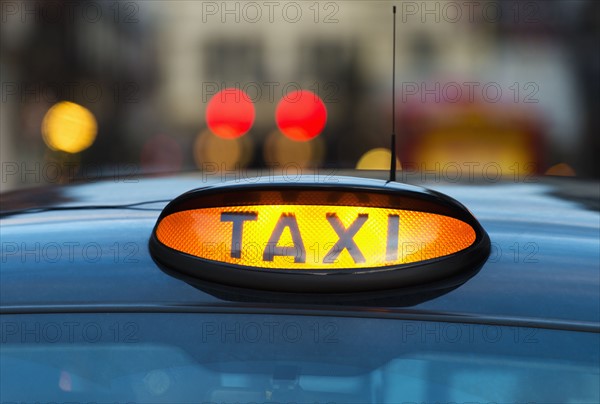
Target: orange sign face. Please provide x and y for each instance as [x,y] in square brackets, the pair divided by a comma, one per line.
[317,237]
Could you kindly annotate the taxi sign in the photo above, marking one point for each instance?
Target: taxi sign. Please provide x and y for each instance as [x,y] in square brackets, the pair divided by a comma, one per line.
[353,235]
[313,236]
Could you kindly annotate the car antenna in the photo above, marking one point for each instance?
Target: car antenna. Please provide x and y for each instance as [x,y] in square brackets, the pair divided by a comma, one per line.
[393,151]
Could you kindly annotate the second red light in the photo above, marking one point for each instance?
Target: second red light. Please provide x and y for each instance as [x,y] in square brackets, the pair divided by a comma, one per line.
[301,115]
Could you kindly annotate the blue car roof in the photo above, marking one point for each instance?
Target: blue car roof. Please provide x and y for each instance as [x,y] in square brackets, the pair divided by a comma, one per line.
[544,264]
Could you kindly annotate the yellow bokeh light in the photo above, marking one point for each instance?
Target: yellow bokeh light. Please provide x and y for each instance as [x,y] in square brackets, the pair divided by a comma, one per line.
[69,127]
[213,152]
[281,150]
[480,139]
[561,170]
[377,159]
[313,236]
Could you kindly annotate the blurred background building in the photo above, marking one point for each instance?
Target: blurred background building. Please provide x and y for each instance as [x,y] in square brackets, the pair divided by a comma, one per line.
[486,90]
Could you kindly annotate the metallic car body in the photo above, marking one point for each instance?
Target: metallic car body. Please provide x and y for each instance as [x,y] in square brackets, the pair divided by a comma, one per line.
[542,271]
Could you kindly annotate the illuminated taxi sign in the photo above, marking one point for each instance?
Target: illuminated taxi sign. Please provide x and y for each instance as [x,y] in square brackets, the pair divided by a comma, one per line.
[313,236]
[353,235]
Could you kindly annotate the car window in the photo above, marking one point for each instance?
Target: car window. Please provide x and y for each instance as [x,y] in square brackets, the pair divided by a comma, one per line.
[194,357]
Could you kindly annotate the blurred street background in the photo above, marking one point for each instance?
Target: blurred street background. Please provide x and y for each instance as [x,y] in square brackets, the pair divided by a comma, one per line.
[486,90]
